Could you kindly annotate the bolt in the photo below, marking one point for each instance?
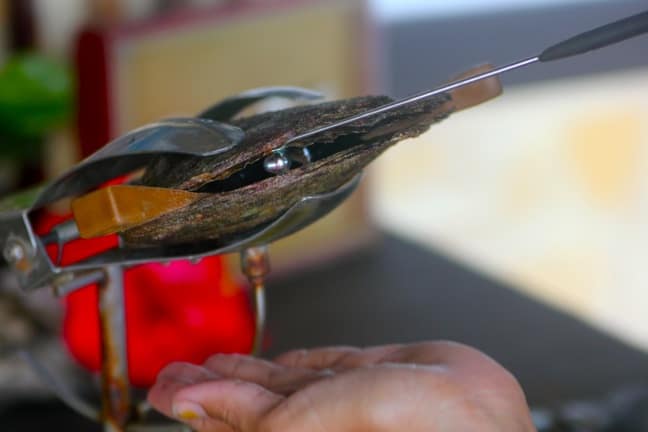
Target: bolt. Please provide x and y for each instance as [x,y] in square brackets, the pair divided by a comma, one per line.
[255,262]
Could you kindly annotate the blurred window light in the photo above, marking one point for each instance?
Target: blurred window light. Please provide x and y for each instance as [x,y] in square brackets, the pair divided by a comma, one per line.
[401,10]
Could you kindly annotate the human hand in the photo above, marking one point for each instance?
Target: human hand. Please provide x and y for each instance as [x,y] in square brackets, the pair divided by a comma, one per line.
[433,386]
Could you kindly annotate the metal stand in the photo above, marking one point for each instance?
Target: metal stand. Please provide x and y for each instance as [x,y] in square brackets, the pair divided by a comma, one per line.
[115,391]
[255,264]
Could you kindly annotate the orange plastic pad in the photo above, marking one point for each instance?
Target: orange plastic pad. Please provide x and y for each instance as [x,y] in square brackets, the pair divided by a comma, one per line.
[478,92]
[116,208]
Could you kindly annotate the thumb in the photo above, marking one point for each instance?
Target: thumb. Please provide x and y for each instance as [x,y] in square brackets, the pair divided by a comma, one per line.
[240,404]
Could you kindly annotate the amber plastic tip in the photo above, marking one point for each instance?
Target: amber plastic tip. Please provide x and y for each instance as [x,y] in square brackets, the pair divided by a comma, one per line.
[116,208]
[478,92]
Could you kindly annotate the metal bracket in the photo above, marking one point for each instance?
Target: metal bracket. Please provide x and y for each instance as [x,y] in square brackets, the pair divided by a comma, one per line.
[24,251]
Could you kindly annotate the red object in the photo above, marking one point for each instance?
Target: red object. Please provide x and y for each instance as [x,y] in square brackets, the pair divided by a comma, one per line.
[94,119]
[176,312]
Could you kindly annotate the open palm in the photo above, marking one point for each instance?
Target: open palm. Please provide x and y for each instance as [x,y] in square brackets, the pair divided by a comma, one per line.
[433,386]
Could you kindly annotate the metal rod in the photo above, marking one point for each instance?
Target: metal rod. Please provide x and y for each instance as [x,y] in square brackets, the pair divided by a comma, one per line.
[61,234]
[415,98]
[598,38]
[78,281]
[260,315]
[115,391]
[255,264]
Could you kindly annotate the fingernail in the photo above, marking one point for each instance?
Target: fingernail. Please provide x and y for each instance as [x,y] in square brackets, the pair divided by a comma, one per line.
[188,411]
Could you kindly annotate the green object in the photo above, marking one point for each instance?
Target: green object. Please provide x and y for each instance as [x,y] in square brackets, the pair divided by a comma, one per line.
[35,96]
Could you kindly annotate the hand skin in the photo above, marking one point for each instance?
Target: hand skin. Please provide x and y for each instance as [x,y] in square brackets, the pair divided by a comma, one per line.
[431,387]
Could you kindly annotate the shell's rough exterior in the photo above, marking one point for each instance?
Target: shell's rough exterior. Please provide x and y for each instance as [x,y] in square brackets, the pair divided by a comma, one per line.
[243,197]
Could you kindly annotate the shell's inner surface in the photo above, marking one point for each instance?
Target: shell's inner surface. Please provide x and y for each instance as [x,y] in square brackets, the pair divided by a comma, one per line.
[255,172]
[248,175]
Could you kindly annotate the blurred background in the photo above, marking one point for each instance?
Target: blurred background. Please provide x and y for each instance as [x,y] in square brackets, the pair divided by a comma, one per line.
[521,221]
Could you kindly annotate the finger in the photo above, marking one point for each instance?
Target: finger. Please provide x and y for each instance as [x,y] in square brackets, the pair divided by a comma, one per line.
[336,358]
[317,358]
[239,404]
[173,378]
[186,372]
[275,377]
[365,357]
[243,367]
